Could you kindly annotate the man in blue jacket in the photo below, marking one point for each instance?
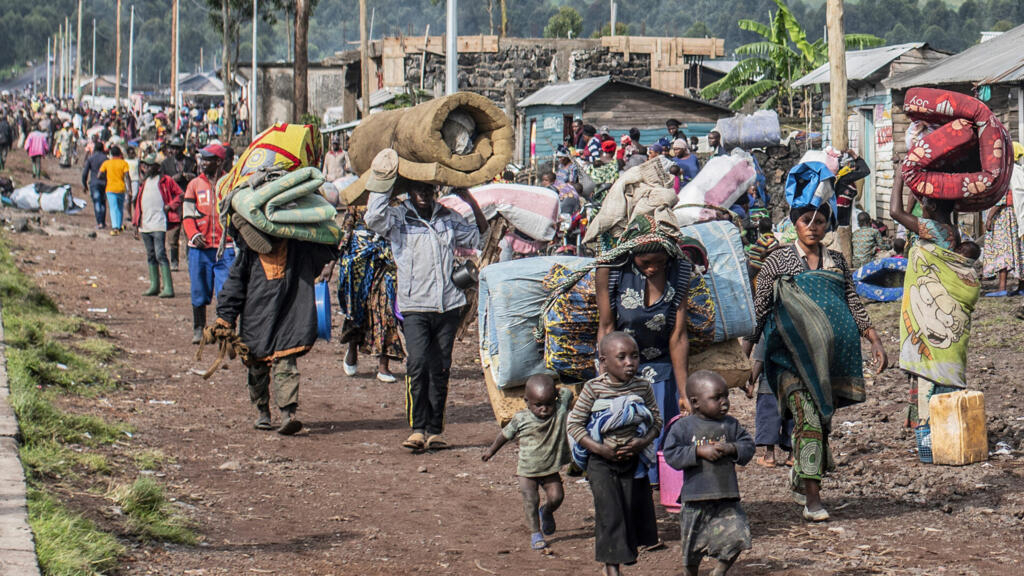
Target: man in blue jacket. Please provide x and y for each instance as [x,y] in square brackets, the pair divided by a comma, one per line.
[423,236]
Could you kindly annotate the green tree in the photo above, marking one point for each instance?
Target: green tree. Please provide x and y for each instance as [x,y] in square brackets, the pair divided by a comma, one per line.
[770,66]
[567,22]
[697,30]
[621,29]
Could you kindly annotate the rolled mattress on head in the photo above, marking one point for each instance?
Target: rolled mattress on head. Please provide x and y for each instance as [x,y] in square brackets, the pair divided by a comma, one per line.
[460,140]
[967,159]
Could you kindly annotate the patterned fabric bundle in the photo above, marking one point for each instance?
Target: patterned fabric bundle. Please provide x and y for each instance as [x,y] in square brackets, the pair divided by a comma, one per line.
[281,147]
[289,207]
[940,290]
[570,325]
[366,294]
[939,164]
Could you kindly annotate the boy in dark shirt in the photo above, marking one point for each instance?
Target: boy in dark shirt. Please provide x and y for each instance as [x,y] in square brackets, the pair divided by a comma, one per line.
[706,445]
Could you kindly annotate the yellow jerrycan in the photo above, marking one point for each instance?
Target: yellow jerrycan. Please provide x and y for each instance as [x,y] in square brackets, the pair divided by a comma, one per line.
[959,435]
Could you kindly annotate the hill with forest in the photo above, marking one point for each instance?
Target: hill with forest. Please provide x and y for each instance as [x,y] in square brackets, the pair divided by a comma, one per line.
[950,25]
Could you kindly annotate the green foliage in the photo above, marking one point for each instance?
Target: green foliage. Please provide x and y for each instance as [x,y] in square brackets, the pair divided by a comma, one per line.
[621,29]
[67,544]
[408,100]
[697,30]
[772,64]
[149,513]
[566,23]
[151,460]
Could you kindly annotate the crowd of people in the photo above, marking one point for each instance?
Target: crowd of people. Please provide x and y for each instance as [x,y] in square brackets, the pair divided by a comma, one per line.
[401,302]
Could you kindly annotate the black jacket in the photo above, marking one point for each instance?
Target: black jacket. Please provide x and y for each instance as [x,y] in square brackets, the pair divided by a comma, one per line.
[845,184]
[273,295]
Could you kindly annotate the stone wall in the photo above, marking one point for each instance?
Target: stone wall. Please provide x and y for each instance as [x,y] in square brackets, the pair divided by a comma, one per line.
[529,68]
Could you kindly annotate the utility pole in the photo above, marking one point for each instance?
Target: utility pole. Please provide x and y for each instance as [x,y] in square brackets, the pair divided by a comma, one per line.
[837,73]
[94,60]
[225,70]
[300,66]
[451,52]
[614,15]
[837,98]
[364,69]
[58,53]
[67,55]
[174,65]
[78,57]
[47,66]
[117,59]
[252,81]
[131,51]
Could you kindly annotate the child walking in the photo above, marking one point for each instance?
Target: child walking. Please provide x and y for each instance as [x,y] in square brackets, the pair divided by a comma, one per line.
[706,446]
[543,450]
[614,422]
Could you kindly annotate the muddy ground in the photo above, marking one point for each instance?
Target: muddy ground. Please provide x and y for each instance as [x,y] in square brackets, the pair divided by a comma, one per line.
[344,498]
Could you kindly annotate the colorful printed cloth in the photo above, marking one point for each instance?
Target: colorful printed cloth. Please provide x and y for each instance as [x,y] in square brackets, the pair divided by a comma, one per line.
[1002,249]
[366,291]
[282,146]
[570,327]
[812,334]
[758,251]
[940,290]
[867,242]
[812,455]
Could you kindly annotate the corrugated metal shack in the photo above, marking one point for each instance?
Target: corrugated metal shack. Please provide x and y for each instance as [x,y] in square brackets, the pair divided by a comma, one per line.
[602,101]
[873,124]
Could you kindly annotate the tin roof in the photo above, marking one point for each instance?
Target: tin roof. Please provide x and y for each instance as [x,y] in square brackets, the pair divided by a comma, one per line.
[722,66]
[995,61]
[860,64]
[564,94]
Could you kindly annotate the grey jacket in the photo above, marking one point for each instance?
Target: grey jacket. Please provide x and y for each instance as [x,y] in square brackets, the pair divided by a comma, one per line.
[424,252]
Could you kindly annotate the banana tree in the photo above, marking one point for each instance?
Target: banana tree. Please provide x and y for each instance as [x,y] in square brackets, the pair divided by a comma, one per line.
[771,65]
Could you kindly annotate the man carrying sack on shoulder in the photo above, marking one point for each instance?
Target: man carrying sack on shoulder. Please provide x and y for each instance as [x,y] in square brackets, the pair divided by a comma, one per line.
[423,236]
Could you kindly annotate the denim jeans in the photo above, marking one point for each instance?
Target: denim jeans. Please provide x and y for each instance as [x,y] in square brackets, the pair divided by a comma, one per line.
[97,190]
[115,202]
[156,255]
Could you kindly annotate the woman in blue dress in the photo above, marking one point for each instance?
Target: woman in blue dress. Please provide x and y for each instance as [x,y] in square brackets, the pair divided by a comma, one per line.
[644,294]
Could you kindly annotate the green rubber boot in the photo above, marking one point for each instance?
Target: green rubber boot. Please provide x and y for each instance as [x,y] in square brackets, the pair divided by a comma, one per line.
[165,277]
[154,281]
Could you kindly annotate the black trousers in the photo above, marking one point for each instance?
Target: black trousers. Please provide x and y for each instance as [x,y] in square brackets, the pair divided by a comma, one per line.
[623,510]
[429,338]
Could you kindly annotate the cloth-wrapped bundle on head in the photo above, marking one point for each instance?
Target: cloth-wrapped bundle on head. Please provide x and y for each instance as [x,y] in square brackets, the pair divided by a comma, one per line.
[273,191]
[966,159]
[809,186]
[461,140]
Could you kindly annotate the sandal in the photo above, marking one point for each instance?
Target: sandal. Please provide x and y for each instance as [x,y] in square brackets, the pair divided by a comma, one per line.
[999,294]
[819,515]
[547,521]
[763,461]
[414,441]
[435,442]
[537,541]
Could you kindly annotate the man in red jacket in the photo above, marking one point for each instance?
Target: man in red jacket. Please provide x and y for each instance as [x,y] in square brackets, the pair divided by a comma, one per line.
[155,212]
[206,271]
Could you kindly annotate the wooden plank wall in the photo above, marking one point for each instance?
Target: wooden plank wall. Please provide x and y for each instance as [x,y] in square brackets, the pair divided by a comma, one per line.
[627,106]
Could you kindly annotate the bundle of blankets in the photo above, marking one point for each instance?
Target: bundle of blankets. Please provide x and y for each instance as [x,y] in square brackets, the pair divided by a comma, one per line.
[461,140]
[958,149]
[274,190]
[607,415]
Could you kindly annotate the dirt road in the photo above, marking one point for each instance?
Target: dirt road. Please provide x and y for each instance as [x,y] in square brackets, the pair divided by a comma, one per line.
[343,498]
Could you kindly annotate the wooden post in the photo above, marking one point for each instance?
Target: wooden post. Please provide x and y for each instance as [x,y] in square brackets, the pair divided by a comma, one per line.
[174,66]
[837,73]
[300,71]
[117,61]
[364,67]
[78,57]
[837,104]
[226,74]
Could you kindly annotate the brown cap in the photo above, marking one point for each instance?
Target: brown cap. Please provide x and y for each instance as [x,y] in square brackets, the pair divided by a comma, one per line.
[383,171]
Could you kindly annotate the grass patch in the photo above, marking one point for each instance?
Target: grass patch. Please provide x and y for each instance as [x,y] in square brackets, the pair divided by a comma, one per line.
[151,460]
[66,543]
[49,355]
[150,516]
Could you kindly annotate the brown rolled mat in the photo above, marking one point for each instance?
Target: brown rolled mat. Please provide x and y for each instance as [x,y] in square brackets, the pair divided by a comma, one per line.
[415,134]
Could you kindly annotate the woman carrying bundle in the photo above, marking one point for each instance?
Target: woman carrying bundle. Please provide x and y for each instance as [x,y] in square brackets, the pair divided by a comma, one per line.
[366,296]
[805,303]
[642,287]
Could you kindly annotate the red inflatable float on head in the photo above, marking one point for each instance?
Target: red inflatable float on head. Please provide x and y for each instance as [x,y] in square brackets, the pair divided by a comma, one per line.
[967,159]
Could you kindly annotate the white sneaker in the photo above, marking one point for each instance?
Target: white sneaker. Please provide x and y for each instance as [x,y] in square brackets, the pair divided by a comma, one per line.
[816,516]
[386,378]
[350,369]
